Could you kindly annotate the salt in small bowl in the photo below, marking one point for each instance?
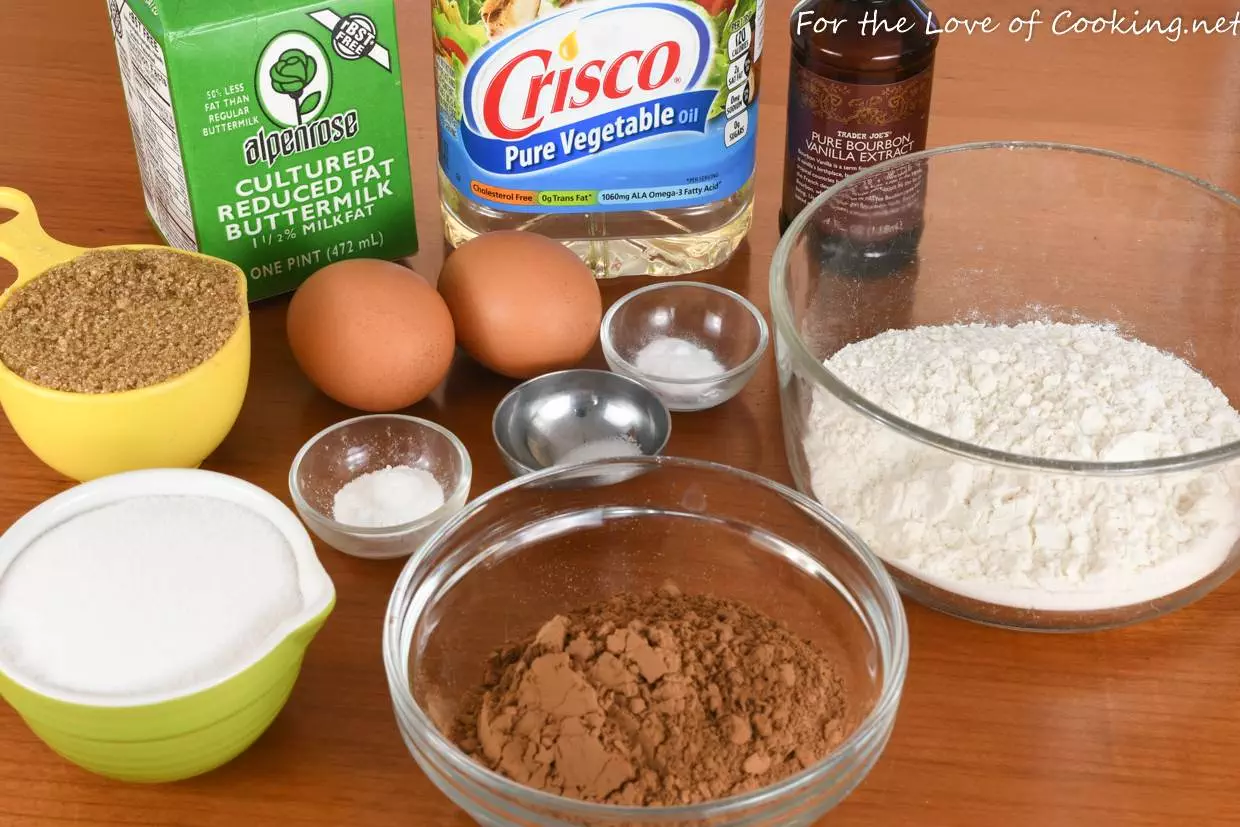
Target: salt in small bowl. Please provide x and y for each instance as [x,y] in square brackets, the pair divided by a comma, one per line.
[717,323]
[340,454]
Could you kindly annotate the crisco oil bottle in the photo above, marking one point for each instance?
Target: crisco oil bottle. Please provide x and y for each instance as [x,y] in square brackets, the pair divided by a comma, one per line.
[624,128]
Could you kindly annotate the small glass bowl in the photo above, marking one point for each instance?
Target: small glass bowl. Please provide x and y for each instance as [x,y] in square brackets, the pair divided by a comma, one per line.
[340,454]
[714,318]
[557,539]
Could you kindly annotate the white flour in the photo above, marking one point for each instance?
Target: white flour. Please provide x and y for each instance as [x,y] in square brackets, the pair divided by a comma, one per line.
[1029,539]
[152,594]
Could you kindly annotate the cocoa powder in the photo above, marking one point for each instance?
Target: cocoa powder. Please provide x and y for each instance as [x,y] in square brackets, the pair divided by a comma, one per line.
[655,700]
[118,320]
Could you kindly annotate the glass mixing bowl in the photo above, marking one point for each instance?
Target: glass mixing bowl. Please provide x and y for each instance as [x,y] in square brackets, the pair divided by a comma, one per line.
[554,540]
[1008,233]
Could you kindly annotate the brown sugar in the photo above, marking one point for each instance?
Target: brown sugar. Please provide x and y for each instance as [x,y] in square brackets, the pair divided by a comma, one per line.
[118,320]
[655,700]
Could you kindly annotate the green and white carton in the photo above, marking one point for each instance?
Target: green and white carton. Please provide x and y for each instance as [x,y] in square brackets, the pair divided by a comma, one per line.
[270,133]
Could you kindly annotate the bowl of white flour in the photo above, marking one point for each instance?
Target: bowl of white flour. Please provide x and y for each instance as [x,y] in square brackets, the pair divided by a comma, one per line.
[1012,372]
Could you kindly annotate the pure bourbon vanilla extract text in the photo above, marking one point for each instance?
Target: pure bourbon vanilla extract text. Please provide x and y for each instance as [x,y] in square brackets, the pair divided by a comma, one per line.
[858,95]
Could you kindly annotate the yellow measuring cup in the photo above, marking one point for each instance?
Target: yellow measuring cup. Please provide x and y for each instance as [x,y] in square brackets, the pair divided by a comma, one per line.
[175,424]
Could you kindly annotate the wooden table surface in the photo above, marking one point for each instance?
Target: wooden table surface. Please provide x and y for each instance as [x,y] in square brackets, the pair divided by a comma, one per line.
[1132,727]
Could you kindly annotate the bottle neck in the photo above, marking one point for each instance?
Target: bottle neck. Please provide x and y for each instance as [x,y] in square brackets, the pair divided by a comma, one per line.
[863,41]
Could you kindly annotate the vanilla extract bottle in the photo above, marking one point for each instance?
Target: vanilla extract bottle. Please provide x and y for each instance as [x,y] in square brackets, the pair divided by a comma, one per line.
[859,94]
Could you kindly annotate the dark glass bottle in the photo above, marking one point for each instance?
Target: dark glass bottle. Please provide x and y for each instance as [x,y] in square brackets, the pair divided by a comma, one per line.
[858,94]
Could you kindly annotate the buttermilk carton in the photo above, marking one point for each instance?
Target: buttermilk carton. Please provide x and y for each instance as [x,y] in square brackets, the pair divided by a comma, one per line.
[269,134]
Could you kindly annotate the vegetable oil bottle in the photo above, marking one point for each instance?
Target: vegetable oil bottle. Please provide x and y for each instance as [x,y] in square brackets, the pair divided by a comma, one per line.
[624,128]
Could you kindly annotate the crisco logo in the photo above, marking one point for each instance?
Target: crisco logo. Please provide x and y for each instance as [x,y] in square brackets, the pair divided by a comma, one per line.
[586,61]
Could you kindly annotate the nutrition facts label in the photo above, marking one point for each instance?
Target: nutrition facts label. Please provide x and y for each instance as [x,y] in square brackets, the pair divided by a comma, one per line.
[744,45]
[145,77]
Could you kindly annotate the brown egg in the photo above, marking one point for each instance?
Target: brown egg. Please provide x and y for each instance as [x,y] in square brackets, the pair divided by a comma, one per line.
[523,304]
[371,334]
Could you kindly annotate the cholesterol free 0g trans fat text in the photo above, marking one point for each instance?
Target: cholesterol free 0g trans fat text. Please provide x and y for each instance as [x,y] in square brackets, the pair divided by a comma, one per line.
[274,138]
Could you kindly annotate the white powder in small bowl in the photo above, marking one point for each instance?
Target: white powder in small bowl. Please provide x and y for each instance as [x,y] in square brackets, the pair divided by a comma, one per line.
[609,448]
[389,497]
[148,595]
[669,357]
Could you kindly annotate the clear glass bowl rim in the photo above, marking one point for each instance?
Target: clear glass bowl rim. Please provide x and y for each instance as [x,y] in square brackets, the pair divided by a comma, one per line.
[610,352]
[463,481]
[423,583]
[785,326]
[530,469]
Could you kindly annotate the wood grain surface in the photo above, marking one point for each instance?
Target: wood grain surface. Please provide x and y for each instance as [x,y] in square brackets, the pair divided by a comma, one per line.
[1134,727]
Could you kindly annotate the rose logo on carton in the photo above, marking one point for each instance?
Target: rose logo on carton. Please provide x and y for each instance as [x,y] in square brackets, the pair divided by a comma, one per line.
[293,79]
[294,82]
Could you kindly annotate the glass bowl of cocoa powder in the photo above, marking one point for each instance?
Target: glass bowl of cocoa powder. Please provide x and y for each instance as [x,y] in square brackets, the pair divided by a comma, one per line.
[648,640]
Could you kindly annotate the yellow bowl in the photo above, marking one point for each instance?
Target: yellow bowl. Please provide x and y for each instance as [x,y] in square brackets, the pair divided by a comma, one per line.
[169,737]
[175,424]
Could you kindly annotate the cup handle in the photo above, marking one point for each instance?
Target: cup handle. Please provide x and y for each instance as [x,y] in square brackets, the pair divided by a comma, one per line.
[24,243]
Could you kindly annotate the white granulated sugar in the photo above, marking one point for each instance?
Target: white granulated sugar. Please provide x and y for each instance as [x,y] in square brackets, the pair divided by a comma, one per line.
[600,449]
[388,497]
[148,595]
[674,358]
[1028,539]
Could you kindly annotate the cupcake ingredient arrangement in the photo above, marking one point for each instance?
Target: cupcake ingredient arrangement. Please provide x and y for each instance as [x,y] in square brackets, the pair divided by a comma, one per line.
[371,334]
[272,138]
[1056,391]
[152,625]
[656,700]
[119,320]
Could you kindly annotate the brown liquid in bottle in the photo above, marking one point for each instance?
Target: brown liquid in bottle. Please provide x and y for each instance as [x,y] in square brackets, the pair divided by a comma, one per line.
[859,94]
